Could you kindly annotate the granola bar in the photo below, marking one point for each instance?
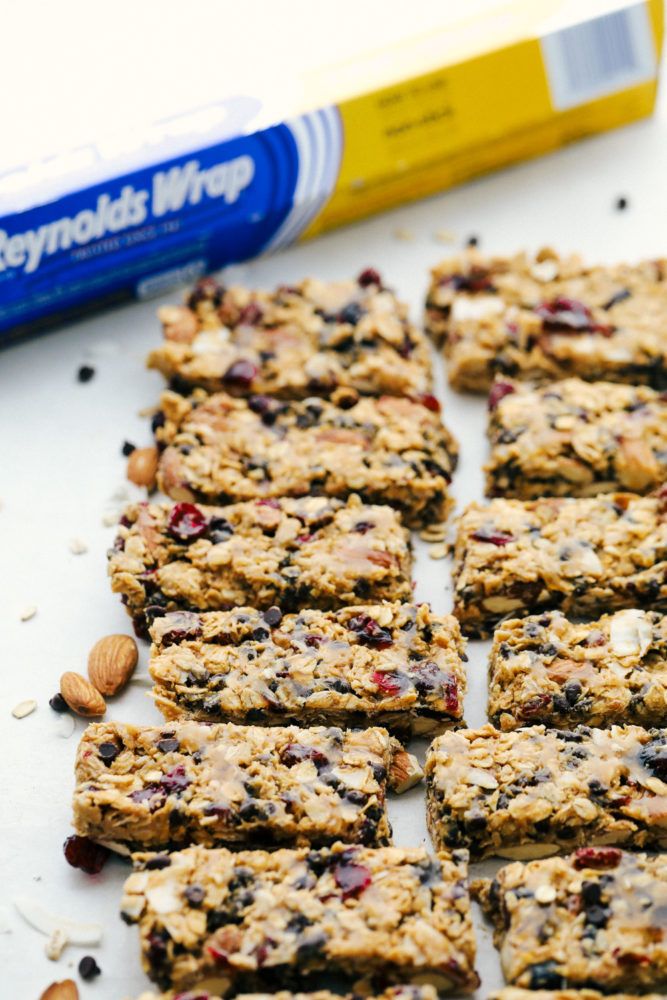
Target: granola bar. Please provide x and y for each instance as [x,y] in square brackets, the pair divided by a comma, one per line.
[217,449]
[547,791]
[307,552]
[393,665]
[514,993]
[141,787]
[259,920]
[575,438]
[410,992]
[547,669]
[298,341]
[549,317]
[596,917]
[584,556]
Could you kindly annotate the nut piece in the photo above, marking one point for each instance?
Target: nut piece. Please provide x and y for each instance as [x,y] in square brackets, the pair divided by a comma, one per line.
[111,662]
[77,546]
[404,772]
[80,695]
[24,708]
[28,612]
[64,990]
[56,944]
[142,467]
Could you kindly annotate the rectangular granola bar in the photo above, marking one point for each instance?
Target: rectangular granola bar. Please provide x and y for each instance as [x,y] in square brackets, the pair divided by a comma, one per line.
[141,787]
[217,449]
[259,920]
[307,552]
[393,665]
[302,340]
[598,916]
[547,669]
[410,992]
[584,556]
[514,993]
[575,438]
[547,791]
[548,317]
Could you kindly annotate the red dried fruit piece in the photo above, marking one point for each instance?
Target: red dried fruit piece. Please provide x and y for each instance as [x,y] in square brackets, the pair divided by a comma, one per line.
[537,704]
[498,391]
[352,879]
[251,314]
[387,683]
[83,853]
[182,625]
[294,753]
[565,315]
[599,858]
[370,633]
[175,780]
[369,276]
[152,794]
[186,522]
[492,536]
[630,957]
[428,400]
[241,371]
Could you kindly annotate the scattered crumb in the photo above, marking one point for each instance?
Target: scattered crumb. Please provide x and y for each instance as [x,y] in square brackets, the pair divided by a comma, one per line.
[85,373]
[56,944]
[621,204]
[64,727]
[406,235]
[24,708]
[438,551]
[77,546]
[28,612]
[444,236]
[472,241]
[148,411]
[110,517]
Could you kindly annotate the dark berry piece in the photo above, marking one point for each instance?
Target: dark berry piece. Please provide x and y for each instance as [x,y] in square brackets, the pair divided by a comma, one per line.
[621,296]
[428,400]
[108,752]
[599,858]
[477,280]
[351,314]
[175,781]
[352,879]
[157,862]
[369,277]
[294,753]
[182,625]
[157,421]
[260,634]
[472,241]
[369,633]
[251,314]
[545,976]
[88,967]
[241,371]
[128,448]
[153,794]
[82,853]
[168,744]
[186,522]
[363,526]
[653,756]
[569,315]
[219,530]
[493,537]
[58,703]
[195,894]
[273,616]
[498,391]
[85,373]
[621,204]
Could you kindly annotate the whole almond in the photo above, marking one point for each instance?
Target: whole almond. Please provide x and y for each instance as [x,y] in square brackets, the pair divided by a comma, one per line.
[111,662]
[142,467]
[66,989]
[80,694]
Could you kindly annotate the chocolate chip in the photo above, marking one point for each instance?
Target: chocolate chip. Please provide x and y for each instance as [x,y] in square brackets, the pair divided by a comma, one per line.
[168,745]
[128,448]
[158,861]
[108,752]
[88,967]
[273,616]
[85,373]
[58,703]
[621,204]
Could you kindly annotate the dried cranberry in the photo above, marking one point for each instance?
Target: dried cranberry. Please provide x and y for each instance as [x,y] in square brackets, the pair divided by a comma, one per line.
[175,781]
[599,858]
[369,276]
[630,957]
[352,879]
[273,616]
[270,502]
[186,522]
[182,625]
[387,683]
[498,391]
[251,314]
[82,853]
[477,280]
[568,314]
[302,539]
[312,640]
[241,371]
[294,753]
[428,400]
[369,632]
[492,536]
[152,794]
[537,704]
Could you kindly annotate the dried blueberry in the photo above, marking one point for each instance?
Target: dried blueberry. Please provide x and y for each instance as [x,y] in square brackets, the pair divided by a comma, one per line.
[545,976]
[295,753]
[58,703]
[363,526]
[351,314]
[195,894]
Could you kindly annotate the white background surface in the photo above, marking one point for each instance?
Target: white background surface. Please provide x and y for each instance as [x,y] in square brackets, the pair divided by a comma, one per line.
[61,469]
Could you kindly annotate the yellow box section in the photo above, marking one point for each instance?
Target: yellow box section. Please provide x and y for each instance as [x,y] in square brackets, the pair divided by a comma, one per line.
[432,131]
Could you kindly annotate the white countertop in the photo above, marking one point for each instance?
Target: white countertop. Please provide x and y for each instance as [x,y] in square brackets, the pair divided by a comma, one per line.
[61,470]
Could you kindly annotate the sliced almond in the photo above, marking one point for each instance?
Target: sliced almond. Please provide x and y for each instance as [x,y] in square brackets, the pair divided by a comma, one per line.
[66,989]
[111,662]
[142,467]
[404,772]
[80,695]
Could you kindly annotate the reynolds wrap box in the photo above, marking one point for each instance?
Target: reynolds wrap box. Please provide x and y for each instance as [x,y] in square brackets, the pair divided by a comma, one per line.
[108,220]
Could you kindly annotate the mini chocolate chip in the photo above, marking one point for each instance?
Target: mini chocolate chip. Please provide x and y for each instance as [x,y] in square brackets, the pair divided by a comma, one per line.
[273,616]
[88,967]
[621,204]
[128,448]
[260,634]
[168,745]
[108,752]
[472,241]
[58,703]
[158,861]
[85,373]
[195,894]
